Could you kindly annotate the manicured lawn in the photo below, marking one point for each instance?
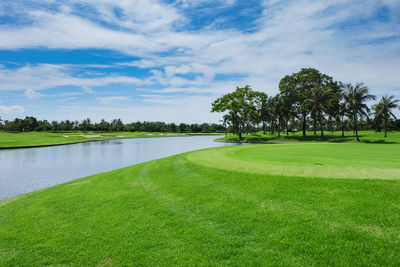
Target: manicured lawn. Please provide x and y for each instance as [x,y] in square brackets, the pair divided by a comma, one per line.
[221,206]
[8,139]
[335,137]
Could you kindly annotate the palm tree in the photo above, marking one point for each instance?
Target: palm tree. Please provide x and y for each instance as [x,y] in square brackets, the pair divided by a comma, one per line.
[383,111]
[319,101]
[341,112]
[354,99]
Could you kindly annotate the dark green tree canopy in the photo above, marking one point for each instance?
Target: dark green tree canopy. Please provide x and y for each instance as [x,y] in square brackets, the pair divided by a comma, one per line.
[297,88]
[240,108]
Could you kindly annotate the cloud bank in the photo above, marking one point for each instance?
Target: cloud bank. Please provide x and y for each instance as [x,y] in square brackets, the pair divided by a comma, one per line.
[167,53]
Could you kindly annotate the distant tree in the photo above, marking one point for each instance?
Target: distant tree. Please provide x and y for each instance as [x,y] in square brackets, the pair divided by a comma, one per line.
[383,110]
[354,99]
[104,126]
[341,113]
[29,124]
[396,125]
[239,106]
[117,125]
[173,127]
[182,127]
[296,89]
[320,101]
[54,126]
[205,128]
[43,125]
[263,110]
[85,125]
[277,106]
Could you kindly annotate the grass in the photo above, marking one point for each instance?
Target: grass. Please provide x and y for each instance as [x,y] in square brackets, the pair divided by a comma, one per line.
[307,160]
[12,140]
[220,206]
[335,137]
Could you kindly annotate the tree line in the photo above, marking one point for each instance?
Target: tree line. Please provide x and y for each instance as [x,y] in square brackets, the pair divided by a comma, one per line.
[32,124]
[307,100]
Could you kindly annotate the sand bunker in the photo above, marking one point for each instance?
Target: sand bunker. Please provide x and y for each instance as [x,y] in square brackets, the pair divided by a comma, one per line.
[83,135]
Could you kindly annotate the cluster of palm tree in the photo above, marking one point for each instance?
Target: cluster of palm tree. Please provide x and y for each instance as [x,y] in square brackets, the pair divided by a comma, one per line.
[383,110]
[306,95]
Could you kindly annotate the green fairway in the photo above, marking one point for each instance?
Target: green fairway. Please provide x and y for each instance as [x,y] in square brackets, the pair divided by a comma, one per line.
[307,160]
[335,137]
[221,206]
[49,138]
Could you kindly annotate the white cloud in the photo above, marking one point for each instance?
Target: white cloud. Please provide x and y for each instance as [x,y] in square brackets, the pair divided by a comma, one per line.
[44,76]
[13,110]
[137,15]
[32,94]
[112,99]
[198,3]
[88,90]
[288,35]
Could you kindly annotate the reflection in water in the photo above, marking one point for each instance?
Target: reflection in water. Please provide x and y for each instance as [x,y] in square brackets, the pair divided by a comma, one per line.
[25,170]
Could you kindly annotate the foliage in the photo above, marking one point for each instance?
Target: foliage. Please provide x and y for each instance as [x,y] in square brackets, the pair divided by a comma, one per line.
[240,107]
[32,124]
[354,99]
[320,100]
[383,110]
[306,97]
[297,88]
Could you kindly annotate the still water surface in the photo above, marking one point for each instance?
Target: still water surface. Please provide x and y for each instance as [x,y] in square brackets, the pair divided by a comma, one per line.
[25,170]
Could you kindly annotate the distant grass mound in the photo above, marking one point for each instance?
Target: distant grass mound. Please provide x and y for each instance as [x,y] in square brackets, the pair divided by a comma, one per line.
[241,205]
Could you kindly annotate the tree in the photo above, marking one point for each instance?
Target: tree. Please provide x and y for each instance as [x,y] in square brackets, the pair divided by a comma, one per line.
[277,106]
[239,105]
[43,126]
[116,125]
[296,89]
[86,125]
[354,99]
[29,124]
[341,112]
[54,126]
[104,126]
[261,101]
[320,100]
[383,109]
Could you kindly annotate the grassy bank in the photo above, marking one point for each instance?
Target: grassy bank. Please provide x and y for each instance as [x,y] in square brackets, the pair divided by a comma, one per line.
[11,140]
[241,205]
[335,137]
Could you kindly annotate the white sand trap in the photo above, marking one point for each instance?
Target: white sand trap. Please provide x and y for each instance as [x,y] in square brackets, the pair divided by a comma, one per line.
[83,135]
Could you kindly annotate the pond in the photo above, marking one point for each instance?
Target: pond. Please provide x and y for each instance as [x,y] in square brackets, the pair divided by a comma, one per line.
[26,170]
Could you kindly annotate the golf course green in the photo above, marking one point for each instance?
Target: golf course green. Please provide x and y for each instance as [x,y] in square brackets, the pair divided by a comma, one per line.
[276,204]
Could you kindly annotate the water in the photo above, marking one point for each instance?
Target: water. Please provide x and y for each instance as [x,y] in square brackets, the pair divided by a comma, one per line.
[26,170]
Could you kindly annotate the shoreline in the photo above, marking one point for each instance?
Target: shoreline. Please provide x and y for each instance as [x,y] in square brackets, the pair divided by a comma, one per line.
[257,142]
[105,139]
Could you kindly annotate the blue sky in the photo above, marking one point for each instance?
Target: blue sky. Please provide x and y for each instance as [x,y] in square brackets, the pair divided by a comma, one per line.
[168,60]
